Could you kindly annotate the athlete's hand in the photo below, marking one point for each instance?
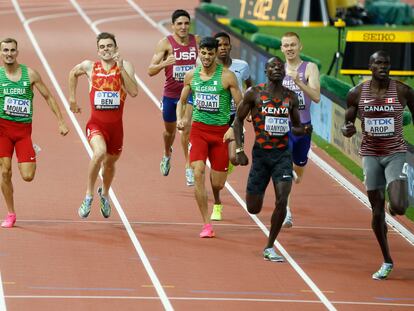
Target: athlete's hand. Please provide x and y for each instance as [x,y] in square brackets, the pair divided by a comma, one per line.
[119,60]
[242,158]
[229,135]
[170,60]
[292,73]
[63,129]
[74,106]
[348,129]
[181,124]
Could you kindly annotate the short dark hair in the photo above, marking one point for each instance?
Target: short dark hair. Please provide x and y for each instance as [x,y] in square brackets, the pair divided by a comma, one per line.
[222,34]
[271,59]
[209,43]
[105,35]
[9,40]
[178,13]
[378,53]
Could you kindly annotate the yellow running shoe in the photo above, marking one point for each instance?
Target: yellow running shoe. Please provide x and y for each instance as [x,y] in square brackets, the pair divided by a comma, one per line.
[230,168]
[216,214]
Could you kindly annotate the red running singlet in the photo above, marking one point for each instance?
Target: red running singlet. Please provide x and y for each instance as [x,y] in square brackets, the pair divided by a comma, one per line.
[107,97]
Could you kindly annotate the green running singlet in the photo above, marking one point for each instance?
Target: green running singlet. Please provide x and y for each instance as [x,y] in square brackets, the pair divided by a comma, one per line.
[16,98]
[211,101]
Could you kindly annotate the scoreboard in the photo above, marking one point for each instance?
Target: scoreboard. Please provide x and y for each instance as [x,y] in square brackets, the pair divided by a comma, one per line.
[278,12]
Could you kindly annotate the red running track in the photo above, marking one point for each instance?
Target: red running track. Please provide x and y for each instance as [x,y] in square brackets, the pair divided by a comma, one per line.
[148,256]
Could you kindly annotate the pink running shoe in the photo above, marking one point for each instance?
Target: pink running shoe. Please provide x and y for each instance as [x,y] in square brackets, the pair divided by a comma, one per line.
[207,231]
[9,221]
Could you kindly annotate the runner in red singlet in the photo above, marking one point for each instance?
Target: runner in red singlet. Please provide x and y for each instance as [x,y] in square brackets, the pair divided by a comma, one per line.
[380,103]
[110,79]
[176,54]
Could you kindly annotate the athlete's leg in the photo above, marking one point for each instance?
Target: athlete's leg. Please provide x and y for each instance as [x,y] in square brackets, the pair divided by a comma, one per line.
[398,196]
[108,172]
[98,146]
[282,190]
[169,136]
[218,180]
[199,168]
[6,183]
[27,170]
[377,200]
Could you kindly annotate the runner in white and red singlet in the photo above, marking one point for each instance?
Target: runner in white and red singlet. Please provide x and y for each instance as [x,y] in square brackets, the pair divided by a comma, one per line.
[176,54]
[380,103]
[110,80]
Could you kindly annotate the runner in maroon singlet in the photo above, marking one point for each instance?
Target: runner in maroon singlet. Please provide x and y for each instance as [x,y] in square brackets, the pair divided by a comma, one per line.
[176,54]
[380,103]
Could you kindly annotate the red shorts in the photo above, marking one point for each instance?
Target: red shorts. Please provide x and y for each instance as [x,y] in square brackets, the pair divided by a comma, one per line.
[113,133]
[207,141]
[16,135]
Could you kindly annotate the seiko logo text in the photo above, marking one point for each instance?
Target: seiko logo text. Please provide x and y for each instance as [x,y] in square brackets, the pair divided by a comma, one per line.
[379,37]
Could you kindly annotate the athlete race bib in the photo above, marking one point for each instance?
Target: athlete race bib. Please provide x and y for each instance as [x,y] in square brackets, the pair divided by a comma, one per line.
[207,102]
[379,127]
[179,71]
[107,100]
[276,126]
[17,107]
[301,100]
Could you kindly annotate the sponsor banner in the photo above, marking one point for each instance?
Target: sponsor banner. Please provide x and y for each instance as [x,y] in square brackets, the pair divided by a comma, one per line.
[349,146]
[321,115]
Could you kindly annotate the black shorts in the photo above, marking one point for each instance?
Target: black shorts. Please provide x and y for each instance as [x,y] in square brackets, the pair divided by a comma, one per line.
[268,163]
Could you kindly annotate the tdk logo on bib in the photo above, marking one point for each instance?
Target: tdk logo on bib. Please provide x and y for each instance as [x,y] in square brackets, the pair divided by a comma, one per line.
[18,102]
[107,100]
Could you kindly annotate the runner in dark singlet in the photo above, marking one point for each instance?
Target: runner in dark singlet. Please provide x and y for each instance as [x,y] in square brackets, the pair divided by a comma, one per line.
[271,105]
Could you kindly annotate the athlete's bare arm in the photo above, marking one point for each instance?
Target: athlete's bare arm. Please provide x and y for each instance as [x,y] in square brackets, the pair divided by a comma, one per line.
[37,82]
[313,88]
[348,129]
[184,119]
[229,81]
[245,107]
[162,57]
[84,68]
[128,75]
[406,96]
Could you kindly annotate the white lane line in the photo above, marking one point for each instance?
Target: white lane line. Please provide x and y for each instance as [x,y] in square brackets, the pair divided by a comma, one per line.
[157,285]
[409,236]
[2,299]
[299,270]
[397,226]
[224,299]
[120,18]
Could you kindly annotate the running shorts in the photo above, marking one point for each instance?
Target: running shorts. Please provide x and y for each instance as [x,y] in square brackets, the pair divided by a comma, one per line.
[266,164]
[16,136]
[379,172]
[113,134]
[206,141]
[169,108]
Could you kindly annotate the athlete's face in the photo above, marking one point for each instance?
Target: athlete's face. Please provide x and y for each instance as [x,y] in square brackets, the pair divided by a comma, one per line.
[106,49]
[380,66]
[290,47]
[9,53]
[224,48]
[207,57]
[181,26]
[275,70]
